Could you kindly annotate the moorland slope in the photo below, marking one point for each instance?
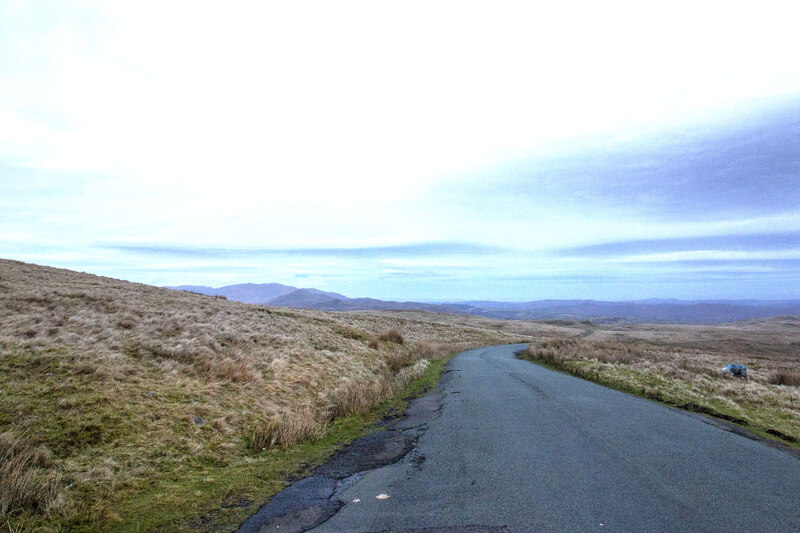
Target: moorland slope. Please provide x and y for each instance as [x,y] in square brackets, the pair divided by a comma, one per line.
[120,401]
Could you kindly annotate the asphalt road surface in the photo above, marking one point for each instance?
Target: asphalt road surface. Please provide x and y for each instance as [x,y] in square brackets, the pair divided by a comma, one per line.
[518,447]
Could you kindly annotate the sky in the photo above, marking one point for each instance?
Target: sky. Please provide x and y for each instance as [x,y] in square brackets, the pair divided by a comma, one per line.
[407,150]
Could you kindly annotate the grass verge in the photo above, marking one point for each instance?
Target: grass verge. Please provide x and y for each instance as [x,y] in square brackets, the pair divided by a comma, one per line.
[209,496]
[220,499]
[685,379]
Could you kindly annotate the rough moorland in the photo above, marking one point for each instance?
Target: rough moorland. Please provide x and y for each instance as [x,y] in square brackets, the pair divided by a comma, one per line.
[119,398]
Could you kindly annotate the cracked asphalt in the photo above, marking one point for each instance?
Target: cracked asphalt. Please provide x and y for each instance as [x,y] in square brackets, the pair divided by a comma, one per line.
[511,446]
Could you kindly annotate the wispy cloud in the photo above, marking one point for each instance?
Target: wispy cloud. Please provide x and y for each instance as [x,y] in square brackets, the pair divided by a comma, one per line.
[373,252]
[784,242]
[748,166]
[711,255]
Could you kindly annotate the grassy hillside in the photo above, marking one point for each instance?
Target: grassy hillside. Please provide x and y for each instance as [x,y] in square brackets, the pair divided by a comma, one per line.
[125,406]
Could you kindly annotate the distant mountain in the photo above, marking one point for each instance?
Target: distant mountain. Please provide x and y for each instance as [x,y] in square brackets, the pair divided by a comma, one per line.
[308,299]
[641,311]
[654,311]
[287,296]
[371,304]
[256,294]
[250,293]
[200,289]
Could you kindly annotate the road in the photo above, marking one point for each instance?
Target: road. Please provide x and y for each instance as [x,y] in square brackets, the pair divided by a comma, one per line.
[518,447]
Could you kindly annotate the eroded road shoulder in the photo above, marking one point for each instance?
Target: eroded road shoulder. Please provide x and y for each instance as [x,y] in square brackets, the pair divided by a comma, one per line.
[311,501]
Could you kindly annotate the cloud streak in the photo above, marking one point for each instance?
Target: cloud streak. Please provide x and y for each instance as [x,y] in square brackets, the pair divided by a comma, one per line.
[748,243]
[431,249]
[746,167]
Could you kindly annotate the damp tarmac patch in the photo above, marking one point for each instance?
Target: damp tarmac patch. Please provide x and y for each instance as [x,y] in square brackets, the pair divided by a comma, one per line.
[451,529]
[419,412]
[368,453]
[309,502]
[304,502]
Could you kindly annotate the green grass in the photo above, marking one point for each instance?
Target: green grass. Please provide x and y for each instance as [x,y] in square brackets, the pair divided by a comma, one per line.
[210,496]
[193,490]
[173,475]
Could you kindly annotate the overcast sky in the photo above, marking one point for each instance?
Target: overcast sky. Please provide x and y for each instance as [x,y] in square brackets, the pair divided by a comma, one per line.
[411,150]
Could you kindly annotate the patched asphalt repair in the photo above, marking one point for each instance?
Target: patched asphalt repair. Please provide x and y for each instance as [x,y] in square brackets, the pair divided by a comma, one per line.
[311,501]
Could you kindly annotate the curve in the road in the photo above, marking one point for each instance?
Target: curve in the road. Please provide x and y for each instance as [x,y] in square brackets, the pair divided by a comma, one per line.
[522,448]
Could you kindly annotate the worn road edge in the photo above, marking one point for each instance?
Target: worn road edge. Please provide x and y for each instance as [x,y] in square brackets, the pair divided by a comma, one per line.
[712,420]
[311,501]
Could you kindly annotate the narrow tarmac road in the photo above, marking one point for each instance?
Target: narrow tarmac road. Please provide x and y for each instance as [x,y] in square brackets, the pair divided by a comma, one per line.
[518,447]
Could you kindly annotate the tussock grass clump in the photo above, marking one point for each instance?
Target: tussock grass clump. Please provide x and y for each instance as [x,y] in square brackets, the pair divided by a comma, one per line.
[397,360]
[288,429]
[25,479]
[412,372]
[549,352]
[556,351]
[785,376]
[392,335]
[437,350]
[354,396]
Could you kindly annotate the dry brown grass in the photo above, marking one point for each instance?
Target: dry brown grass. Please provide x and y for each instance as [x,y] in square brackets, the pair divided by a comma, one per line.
[759,338]
[25,478]
[524,328]
[392,335]
[121,384]
[785,376]
[287,430]
[556,351]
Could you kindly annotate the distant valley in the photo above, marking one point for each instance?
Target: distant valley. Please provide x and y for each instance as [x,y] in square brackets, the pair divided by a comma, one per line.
[603,312]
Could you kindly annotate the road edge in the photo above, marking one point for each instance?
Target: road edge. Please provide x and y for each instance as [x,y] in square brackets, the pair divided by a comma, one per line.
[310,501]
[720,423]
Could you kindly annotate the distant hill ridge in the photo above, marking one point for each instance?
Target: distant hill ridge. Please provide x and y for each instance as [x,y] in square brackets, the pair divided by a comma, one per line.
[265,293]
[641,311]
